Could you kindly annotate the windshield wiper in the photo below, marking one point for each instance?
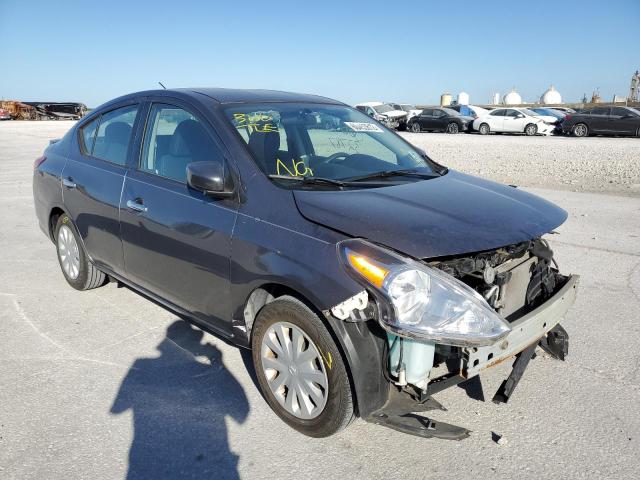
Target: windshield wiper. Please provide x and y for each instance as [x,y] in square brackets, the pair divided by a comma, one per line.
[391,173]
[307,180]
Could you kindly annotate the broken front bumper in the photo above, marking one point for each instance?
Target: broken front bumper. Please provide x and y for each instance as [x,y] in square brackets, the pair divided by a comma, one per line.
[538,327]
[525,331]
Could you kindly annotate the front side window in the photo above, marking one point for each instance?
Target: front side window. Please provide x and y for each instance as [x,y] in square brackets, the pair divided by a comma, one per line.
[174,138]
[292,140]
[114,134]
[511,113]
[621,112]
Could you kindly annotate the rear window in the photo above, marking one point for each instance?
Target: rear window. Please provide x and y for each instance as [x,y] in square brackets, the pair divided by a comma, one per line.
[88,135]
[108,137]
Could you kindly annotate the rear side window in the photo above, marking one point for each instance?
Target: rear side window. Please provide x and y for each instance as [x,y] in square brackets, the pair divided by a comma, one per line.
[175,138]
[88,135]
[498,113]
[114,135]
[600,111]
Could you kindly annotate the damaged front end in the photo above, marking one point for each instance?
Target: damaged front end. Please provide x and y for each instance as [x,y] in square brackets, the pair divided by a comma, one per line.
[448,319]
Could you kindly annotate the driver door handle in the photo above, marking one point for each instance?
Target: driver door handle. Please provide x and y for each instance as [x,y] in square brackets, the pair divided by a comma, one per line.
[69,183]
[136,206]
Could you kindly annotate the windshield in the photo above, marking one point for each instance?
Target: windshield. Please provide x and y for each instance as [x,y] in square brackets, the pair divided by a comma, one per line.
[531,113]
[328,141]
[407,108]
[634,110]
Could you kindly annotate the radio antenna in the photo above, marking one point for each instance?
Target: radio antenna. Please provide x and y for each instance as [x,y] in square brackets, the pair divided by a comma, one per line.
[162,85]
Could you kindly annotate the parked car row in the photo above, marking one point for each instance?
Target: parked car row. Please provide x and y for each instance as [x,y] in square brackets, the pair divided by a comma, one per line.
[605,120]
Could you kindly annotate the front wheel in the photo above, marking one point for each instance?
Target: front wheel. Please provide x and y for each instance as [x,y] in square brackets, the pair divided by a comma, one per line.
[76,267]
[415,127]
[484,129]
[453,128]
[580,130]
[530,129]
[300,369]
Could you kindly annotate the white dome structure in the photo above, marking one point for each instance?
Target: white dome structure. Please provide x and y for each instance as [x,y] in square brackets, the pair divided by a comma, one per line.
[551,97]
[512,98]
[463,98]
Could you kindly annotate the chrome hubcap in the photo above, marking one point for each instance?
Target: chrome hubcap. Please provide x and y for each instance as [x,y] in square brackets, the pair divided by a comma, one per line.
[580,130]
[294,369]
[69,252]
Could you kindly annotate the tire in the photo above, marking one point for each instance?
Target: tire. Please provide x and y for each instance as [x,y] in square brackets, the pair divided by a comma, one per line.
[453,128]
[484,129]
[415,127]
[580,130]
[530,130]
[78,271]
[283,319]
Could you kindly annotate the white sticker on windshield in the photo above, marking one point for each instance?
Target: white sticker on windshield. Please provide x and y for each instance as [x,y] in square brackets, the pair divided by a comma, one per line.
[363,127]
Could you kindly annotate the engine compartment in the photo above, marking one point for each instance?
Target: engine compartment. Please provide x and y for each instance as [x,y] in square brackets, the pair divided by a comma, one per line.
[514,280]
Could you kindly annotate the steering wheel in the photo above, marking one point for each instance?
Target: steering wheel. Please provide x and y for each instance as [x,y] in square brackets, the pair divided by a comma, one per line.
[331,159]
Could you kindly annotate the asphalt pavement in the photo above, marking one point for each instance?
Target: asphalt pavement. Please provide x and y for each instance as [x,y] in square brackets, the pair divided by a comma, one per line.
[105,384]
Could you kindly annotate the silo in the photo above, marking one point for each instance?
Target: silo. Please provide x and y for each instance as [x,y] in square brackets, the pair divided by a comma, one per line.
[551,97]
[445,99]
[463,98]
[512,98]
[496,98]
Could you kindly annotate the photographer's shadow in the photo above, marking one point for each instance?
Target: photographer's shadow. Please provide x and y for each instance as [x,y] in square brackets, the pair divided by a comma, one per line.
[179,405]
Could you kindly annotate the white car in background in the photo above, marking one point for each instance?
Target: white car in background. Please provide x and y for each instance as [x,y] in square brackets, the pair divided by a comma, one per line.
[385,113]
[514,120]
[411,110]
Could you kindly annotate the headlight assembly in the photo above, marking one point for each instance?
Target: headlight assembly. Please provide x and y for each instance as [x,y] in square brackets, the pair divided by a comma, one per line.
[422,302]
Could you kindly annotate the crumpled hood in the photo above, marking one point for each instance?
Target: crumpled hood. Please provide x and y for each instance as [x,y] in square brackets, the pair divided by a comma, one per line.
[449,215]
[394,114]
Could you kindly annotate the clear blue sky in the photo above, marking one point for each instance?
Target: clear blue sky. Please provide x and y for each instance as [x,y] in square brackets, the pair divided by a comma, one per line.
[92,51]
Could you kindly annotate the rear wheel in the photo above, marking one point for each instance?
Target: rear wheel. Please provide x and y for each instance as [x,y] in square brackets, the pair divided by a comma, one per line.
[78,271]
[415,127]
[580,130]
[453,128]
[484,129]
[300,369]
[530,129]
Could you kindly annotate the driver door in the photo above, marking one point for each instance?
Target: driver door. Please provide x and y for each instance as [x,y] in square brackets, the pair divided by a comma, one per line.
[176,240]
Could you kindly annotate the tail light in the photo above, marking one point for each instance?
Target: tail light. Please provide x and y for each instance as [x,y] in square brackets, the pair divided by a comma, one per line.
[39,161]
[567,117]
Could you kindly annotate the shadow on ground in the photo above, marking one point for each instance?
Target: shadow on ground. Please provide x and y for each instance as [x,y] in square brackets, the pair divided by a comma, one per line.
[179,402]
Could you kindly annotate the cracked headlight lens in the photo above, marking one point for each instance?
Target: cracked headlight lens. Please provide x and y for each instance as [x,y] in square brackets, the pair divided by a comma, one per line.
[424,302]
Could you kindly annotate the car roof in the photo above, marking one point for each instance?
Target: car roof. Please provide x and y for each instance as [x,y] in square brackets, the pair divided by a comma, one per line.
[233,95]
[369,104]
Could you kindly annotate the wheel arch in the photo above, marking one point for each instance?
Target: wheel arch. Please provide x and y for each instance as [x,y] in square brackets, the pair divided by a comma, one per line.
[361,344]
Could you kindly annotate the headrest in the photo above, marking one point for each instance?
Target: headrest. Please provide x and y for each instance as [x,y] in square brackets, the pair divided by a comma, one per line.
[190,139]
[117,132]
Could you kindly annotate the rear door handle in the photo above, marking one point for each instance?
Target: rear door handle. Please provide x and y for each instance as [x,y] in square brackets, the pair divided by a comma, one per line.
[136,206]
[69,183]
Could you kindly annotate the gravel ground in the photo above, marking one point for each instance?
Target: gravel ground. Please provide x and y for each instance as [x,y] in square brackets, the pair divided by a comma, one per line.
[105,384]
[594,164]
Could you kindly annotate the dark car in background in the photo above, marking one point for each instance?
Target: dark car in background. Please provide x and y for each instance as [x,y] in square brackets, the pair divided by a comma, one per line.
[439,120]
[603,121]
[364,276]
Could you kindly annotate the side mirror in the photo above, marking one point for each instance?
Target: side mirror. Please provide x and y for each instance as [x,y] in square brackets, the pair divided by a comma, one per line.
[520,115]
[209,178]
